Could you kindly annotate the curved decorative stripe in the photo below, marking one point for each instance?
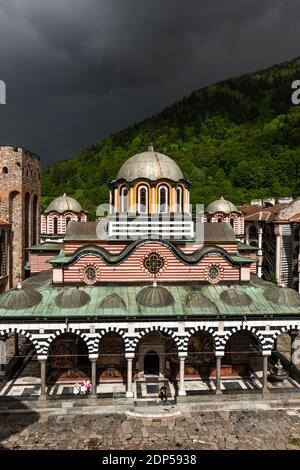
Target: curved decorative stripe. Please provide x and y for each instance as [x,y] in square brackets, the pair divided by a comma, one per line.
[186,258]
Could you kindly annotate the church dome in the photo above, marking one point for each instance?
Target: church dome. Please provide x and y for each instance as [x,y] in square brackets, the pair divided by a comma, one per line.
[20,298]
[64,203]
[72,298]
[113,301]
[197,302]
[151,165]
[221,205]
[155,296]
[235,298]
[282,296]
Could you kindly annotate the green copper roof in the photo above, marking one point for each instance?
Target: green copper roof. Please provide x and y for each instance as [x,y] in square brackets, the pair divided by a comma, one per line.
[47,246]
[189,301]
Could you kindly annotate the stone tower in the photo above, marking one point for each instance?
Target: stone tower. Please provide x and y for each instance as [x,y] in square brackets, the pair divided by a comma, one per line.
[20,204]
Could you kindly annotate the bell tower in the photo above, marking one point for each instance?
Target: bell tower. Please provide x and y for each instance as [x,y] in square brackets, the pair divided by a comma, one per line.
[20,205]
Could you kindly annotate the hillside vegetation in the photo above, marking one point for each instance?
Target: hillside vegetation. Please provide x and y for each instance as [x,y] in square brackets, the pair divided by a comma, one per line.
[239,138]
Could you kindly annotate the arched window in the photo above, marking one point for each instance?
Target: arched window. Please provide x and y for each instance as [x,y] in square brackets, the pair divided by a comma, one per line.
[220,220]
[55,224]
[179,199]
[35,216]
[124,199]
[27,224]
[163,199]
[5,170]
[68,219]
[208,219]
[232,222]
[142,200]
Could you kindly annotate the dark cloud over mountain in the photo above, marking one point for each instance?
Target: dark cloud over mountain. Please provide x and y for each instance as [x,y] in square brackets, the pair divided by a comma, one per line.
[79,70]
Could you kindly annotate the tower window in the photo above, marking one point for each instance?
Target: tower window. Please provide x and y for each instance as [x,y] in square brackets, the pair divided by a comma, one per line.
[68,219]
[232,222]
[163,199]
[179,199]
[143,200]
[124,199]
[5,170]
[220,220]
[55,226]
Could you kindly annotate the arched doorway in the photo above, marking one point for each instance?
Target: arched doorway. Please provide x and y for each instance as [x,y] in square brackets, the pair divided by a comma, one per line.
[151,363]
[68,359]
[156,354]
[156,364]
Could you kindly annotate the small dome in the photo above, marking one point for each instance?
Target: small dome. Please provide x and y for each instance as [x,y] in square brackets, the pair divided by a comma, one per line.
[221,205]
[155,296]
[151,165]
[20,298]
[64,203]
[282,296]
[72,298]
[197,301]
[235,298]
[113,301]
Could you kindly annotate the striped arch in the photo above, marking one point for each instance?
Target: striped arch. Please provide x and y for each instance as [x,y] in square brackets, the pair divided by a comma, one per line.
[111,329]
[88,341]
[25,333]
[261,339]
[212,331]
[141,334]
[281,330]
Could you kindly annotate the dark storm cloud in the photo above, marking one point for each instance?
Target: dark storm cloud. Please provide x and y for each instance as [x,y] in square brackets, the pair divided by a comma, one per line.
[77,71]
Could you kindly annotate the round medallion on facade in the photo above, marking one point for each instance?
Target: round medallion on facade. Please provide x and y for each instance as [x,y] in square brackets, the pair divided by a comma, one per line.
[153,263]
[214,273]
[90,274]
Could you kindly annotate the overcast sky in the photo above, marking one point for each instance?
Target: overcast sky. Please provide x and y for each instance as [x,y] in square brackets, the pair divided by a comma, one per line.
[77,71]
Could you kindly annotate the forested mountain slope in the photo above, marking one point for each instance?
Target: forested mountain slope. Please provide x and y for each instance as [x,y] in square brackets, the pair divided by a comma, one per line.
[239,138]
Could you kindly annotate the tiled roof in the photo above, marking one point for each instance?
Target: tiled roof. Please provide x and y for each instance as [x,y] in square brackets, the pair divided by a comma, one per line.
[87,231]
[263,213]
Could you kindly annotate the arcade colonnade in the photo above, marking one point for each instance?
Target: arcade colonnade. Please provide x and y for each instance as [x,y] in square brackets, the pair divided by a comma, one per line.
[265,332]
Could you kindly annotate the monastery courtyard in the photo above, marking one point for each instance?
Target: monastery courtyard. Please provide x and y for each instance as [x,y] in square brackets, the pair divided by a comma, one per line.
[276,429]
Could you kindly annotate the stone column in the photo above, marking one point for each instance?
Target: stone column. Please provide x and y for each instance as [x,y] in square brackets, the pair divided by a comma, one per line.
[181,391]
[94,376]
[218,374]
[17,352]
[129,392]
[295,356]
[265,372]
[247,240]
[260,253]
[43,378]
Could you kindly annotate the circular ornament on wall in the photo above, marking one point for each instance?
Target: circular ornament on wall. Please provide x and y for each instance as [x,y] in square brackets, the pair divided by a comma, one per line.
[154,263]
[90,274]
[214,273]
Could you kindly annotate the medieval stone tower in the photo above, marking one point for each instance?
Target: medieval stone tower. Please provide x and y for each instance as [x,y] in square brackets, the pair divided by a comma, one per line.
[20,204]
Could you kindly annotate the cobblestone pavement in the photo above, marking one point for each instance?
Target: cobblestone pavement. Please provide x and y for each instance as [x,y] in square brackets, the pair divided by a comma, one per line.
[201,430]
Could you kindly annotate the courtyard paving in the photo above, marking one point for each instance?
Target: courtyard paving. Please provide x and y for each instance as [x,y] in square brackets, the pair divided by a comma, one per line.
[276,430]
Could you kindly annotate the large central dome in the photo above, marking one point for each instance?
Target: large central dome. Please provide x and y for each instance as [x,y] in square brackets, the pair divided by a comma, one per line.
[151,165]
